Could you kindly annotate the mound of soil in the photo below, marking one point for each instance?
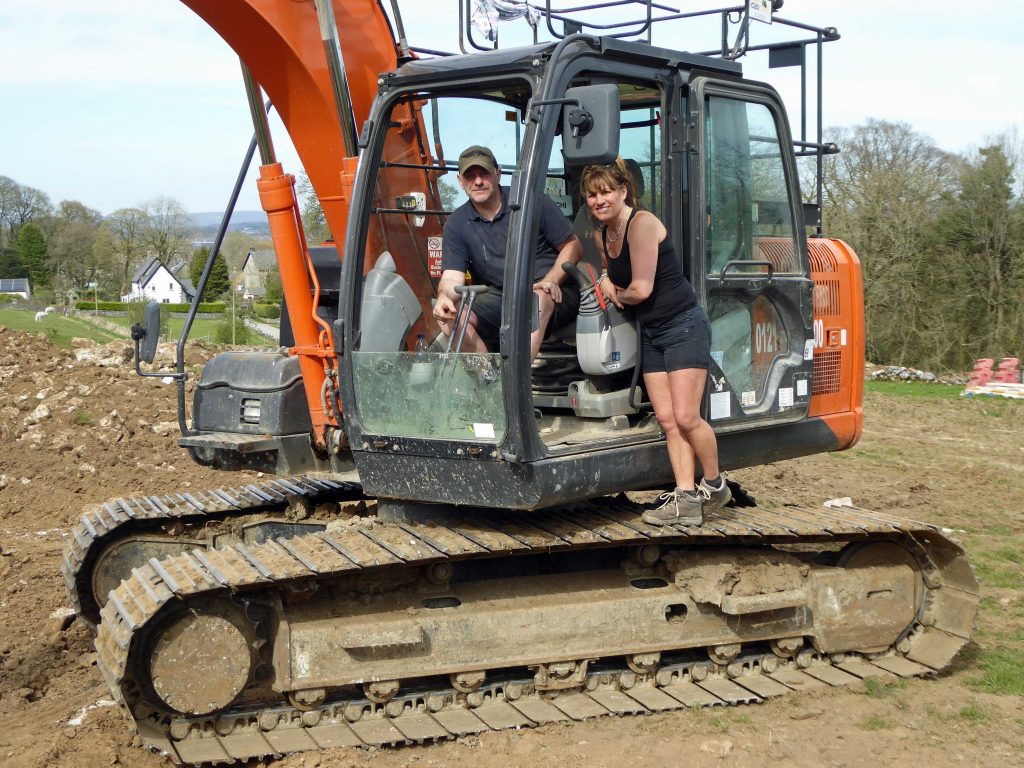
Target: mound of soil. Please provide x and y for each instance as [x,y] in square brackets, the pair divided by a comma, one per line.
[79,426]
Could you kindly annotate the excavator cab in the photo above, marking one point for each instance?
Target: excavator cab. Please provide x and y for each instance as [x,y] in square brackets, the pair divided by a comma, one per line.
[717,167]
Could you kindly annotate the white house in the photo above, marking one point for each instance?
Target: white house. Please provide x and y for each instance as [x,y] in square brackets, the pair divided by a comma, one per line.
[15,286]
[154,282]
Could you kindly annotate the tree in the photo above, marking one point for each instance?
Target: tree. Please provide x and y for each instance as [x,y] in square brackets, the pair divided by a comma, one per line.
[19,205]
[220,276]
[10,264]
[448,193]
[198,263]
[220,279]
[273,292]
[32,253]
[881,194]
[167,230]
[73,230]
[313,220]
[236,247]
[122,242]
[982,235]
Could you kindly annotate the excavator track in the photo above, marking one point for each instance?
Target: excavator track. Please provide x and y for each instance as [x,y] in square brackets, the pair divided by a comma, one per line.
[386,634]
[112,537]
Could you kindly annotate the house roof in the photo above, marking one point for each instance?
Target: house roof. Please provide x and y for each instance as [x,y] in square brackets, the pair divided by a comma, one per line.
[263,260]
[146,270]
[14,285]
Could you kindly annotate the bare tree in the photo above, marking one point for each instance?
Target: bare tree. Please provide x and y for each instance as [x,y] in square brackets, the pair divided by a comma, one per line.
[20,204]
[72,235]
[168,229]
[122,242]
[882,193]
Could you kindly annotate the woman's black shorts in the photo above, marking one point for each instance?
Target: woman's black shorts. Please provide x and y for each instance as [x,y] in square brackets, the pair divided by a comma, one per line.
[679,343]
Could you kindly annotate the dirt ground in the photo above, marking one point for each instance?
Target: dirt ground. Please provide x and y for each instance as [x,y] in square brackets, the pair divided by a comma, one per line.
[78,431]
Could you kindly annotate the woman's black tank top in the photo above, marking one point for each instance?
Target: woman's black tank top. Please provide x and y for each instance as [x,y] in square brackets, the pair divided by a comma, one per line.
[672,293]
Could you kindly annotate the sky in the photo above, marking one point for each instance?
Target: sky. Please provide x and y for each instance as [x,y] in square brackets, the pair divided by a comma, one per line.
[114,103]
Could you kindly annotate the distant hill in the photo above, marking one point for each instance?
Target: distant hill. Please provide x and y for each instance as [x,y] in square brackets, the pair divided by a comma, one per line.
[252,222]
[238,218]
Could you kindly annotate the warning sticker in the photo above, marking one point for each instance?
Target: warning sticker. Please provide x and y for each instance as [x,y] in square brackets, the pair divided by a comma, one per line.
[483,431]
[434,256]
[721,405]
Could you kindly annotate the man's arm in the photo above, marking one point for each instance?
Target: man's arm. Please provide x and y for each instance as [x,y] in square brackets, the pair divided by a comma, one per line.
[559,233]
[447,298]
[571,251]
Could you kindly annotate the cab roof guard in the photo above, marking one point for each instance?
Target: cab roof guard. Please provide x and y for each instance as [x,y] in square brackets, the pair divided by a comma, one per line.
[637,19]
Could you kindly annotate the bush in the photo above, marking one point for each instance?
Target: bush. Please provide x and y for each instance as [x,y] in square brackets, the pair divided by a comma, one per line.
[212,307]
[222,331]
[10,298]
[266,310]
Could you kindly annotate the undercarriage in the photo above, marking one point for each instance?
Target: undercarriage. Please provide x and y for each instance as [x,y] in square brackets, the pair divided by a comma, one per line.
[359,632]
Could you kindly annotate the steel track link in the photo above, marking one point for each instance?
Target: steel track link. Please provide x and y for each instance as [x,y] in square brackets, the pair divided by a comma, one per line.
[943,624]
[434,716]
[112,521]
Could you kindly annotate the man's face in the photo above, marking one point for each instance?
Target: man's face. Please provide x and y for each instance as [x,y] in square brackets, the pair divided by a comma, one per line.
[480,184]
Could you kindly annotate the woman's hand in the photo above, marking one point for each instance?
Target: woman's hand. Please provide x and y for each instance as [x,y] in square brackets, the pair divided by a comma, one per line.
[610,291]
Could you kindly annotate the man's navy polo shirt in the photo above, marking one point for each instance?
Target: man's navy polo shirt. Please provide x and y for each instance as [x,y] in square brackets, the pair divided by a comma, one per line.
[471,242]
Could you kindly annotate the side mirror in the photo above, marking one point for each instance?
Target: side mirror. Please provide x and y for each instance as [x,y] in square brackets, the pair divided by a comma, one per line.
[147,335]
[590,124]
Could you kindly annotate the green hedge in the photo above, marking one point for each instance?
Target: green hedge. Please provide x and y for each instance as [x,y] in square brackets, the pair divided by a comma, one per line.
[269,311]
[212,307]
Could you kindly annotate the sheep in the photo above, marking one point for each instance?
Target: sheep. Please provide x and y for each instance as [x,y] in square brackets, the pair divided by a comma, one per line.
[39,316]
[48,310]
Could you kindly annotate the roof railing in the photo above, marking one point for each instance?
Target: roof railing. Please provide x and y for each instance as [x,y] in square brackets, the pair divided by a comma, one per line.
[637,20]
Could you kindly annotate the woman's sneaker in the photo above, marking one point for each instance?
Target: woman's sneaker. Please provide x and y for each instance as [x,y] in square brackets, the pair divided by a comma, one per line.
[677,507]
[714,497]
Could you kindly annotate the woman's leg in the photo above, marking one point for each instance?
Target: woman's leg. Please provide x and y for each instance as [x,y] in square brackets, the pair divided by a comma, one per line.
[686,389]
[680,454]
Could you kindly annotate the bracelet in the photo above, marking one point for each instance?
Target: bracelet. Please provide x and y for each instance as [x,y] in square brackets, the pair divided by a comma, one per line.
[602,276]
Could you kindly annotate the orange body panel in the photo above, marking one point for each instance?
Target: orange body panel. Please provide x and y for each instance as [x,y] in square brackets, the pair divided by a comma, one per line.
[838,311]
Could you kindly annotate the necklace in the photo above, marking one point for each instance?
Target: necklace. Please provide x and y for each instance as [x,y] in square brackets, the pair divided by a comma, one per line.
[618,230]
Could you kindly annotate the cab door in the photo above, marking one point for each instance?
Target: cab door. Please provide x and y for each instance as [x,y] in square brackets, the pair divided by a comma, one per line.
[749,254]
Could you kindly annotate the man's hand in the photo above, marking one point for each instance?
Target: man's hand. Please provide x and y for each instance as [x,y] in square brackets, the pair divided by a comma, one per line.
[551,288]
[444,308]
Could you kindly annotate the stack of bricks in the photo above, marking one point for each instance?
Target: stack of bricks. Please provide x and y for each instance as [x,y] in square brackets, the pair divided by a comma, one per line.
[1004,382]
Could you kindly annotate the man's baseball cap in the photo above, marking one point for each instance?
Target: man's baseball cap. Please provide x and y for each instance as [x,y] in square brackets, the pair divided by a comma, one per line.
[477,155]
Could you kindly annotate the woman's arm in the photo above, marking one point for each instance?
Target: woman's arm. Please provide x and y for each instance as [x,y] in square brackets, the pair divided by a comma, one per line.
[645,234]
[604,283]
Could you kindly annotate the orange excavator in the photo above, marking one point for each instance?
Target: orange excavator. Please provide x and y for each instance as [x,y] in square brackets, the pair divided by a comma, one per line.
[499,573]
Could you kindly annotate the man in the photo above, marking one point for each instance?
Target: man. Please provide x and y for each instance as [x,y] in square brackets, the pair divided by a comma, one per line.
[474,239]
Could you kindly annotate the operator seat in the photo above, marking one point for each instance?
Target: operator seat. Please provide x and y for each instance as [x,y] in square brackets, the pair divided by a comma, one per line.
[389,309]
[557,366]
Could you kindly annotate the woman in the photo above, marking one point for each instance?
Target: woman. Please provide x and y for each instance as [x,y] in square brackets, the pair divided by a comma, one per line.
[641,270]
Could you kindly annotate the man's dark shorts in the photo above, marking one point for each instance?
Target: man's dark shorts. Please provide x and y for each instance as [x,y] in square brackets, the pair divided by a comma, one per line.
[680,343]
[487,308]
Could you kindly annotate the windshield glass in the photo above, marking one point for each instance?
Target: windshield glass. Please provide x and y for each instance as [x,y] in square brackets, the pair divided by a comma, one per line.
[411,379]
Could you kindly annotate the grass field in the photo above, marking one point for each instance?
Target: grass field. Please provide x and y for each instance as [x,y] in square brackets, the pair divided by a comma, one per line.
[202,328]
[60,330]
